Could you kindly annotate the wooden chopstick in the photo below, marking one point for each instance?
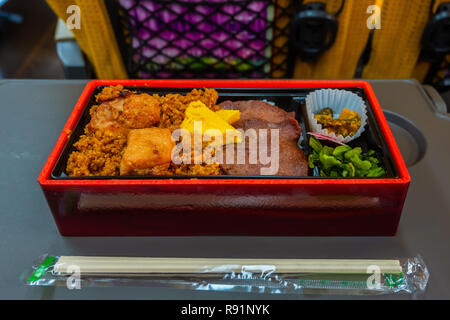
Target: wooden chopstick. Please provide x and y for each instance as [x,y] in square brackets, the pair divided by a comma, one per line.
[131,265]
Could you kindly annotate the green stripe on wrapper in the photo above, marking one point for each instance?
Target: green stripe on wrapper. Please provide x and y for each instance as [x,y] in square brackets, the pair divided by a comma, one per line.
[40,271]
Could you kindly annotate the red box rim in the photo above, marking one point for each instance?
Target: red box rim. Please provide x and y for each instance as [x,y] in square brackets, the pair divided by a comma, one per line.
[45,175]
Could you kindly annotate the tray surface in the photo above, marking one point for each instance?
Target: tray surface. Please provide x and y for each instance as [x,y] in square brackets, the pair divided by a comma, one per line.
[410,139]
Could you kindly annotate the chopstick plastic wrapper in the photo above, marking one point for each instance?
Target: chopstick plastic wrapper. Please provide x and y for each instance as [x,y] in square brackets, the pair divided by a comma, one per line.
[276,276]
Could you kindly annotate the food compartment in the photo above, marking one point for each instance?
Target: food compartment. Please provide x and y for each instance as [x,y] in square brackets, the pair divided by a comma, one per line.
[290,100]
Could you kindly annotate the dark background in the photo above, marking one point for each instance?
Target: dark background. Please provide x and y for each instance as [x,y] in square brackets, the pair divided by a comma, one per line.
[28,50]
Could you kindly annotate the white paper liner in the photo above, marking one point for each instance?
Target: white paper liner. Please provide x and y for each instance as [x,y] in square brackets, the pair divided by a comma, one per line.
[336,100]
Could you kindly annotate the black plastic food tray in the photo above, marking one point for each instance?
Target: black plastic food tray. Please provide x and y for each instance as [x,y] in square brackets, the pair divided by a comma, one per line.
[291,100]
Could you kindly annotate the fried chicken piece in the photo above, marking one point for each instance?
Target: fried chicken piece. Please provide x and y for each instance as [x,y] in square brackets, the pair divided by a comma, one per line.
[135,111]
[111,92]
[140,111]
[147,150]
[104,118]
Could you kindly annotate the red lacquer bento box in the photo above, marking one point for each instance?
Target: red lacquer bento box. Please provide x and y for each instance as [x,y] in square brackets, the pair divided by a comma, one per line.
[258,206]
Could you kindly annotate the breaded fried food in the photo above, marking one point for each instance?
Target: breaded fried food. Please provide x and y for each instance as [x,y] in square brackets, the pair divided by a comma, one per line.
[98,154]
[139,111]
[111,92]
[146,149]
[99,151]
[135,111]
[173,106]
[104,117]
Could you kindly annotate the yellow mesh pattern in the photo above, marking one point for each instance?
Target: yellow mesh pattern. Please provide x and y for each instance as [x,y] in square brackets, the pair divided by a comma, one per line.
[396,47]
[280,40]
[341,59]
[96,37]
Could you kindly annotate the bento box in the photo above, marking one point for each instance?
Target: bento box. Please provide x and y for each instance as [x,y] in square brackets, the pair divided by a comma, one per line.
[229,205]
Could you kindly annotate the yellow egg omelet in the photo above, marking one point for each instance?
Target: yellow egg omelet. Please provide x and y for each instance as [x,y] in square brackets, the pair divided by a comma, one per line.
[210,120]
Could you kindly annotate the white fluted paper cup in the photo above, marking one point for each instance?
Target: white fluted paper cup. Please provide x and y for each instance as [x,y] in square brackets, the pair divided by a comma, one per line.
[336,100]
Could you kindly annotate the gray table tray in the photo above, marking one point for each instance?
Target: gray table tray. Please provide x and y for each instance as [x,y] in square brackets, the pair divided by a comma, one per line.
[34,113]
